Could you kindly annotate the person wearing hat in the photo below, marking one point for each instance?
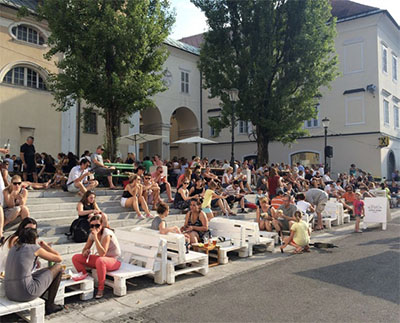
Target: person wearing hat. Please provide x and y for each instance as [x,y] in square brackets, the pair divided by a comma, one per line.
[99,168]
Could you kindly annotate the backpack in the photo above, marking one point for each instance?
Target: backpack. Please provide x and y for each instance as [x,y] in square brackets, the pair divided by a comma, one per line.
[79,230]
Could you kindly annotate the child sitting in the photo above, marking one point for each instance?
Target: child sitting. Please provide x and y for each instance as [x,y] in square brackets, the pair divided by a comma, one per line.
[299,235]
[159,222]
[358,211]
[260,194]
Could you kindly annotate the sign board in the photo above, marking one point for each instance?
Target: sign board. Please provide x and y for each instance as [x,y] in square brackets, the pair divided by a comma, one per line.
[377,210]
[383,141]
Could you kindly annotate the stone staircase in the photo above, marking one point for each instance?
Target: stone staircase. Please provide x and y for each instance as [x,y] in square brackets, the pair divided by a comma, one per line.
[54,210]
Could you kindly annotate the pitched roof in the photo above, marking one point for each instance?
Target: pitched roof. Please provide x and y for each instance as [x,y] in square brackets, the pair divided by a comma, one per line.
[195,40]
[31,5]
[345,8]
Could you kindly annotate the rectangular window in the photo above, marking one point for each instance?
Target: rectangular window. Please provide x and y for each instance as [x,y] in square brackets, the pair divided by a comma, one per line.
[386,112]
[396,117]
[313,123]
[184,82]
[90,121]
[243,127]
[32,78]
[394,68]
[19,75]
[384,59]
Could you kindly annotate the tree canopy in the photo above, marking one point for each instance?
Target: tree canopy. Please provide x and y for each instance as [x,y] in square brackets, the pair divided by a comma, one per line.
[110,53]
[277,53]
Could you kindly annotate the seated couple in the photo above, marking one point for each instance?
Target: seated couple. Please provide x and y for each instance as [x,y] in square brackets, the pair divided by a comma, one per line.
[195,227]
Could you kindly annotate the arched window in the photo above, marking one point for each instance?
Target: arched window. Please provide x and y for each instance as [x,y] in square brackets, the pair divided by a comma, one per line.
[25,76]
[306,158]
[28,33]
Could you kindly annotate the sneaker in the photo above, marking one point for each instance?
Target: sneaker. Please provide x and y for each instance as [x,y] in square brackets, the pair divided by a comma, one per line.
[359,231]
[149,216]
[243,211]
[140,216]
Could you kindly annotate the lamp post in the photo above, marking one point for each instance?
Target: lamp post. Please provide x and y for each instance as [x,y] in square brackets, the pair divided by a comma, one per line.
[325,124]
[233,97]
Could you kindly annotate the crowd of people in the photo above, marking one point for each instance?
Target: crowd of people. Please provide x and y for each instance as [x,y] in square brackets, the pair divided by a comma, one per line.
[286,199]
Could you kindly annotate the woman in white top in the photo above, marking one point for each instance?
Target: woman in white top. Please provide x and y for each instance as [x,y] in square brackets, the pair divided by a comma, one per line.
[107,253]
[227,178]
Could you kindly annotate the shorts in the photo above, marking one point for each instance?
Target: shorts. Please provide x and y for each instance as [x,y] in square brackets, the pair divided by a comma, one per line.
[206,210]
[102,171]
[123,201]
[10,212]
[320,207]
[214,202]
[284,224]
[73,189]
[30,168]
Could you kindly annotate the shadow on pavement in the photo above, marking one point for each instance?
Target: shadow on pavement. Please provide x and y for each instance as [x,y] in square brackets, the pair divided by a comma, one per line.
[392,243]
[364,275]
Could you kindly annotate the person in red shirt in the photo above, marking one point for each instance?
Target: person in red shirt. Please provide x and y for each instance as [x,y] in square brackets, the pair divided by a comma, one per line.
[348,198]
[274,182]
[359,211]
[277,201]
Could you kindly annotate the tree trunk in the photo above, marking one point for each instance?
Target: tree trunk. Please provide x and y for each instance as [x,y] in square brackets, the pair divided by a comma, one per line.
[112,133]
[262,146]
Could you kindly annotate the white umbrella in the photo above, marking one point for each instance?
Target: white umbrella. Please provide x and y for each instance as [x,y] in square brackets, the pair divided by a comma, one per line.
[195,140]
[139,138]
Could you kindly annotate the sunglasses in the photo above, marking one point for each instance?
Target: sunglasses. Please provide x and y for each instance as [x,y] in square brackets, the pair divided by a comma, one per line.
[147,178]
[17,183]
[95,226]
[186,183]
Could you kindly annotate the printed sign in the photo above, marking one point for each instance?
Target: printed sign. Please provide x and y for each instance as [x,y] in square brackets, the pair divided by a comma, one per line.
[376,210]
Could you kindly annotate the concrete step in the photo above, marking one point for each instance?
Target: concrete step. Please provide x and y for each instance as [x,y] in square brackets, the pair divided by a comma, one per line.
[60,193]
[67,206]
[68,199]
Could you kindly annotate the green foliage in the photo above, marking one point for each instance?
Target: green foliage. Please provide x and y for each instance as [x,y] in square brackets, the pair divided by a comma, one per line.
[110,54]
[278,53]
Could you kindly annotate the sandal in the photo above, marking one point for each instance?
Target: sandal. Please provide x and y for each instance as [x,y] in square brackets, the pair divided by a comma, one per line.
[297,252]
[100,294]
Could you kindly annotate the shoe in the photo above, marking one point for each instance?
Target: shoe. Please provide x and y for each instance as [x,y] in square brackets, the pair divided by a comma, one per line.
[232,214]
[100,294]
[359,231]
[149,216]
[243,211]
[53,309]
[81,277]
[140,216]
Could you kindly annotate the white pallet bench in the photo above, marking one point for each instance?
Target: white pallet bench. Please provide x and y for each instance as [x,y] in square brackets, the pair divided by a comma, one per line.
[32,311]
[69,288]
[234,235]
[270,235]
[251,234]
[139,258]
[179,261]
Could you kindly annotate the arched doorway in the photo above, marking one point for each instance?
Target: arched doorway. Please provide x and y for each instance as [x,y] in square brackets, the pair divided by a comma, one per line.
[150,123]
[391,165]
[183,125]
[305,158]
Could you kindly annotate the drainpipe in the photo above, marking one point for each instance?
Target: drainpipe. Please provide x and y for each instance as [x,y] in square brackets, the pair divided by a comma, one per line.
[78,127]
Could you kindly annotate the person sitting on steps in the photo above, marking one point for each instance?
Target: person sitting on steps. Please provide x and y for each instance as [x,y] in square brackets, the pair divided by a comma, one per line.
[78,181]
[87,207]
[99,168]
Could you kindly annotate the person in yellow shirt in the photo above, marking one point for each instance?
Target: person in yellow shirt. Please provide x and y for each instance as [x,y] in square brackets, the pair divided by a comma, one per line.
[210,197]
[299,235]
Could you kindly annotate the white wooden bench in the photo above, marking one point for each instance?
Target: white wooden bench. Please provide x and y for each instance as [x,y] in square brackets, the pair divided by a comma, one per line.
[251,234]
[139,257]
[330,215]
[234,236]
[35,308]
[179,261]
[69,288]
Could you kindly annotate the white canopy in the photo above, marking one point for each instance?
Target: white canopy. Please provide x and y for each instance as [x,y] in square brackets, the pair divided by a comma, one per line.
[139,138]
[194,140]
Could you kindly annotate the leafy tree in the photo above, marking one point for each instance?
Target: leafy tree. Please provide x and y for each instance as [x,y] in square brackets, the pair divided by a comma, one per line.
[277,53]
[110,55]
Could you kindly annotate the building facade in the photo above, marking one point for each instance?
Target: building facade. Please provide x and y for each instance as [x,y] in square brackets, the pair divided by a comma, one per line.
[362,105]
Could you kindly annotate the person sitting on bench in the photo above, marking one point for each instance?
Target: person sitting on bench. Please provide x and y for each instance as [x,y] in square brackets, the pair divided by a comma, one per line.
[99,168]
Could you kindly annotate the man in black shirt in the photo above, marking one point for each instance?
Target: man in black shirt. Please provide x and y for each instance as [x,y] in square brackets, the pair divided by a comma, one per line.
[27,153]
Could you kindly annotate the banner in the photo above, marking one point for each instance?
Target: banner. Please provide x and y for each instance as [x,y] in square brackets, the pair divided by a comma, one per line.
[376,210]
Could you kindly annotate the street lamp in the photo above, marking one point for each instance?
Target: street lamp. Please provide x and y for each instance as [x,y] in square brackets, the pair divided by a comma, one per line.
[325,124]
[233,97]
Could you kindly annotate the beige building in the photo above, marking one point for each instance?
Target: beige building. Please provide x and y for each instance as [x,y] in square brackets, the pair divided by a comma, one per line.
[26,105]
[363,104]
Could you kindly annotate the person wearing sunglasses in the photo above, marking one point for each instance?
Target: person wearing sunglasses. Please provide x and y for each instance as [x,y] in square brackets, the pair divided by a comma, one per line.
[108,252]
[133,195]
[15,197]
[161,180]
[7,179]
[151,191]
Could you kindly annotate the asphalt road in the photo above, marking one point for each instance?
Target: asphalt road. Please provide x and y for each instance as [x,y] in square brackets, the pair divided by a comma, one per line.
[358,282]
